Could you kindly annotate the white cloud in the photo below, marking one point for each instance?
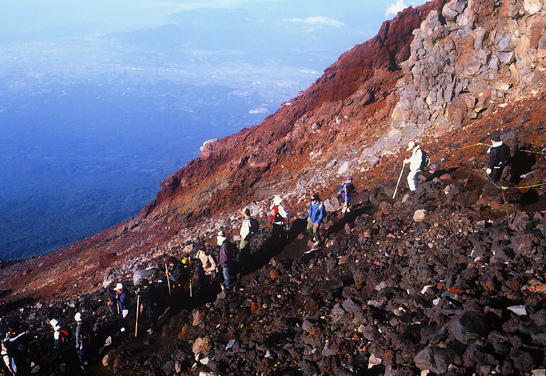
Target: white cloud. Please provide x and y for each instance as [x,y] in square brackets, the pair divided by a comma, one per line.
[319,21]
[394,9]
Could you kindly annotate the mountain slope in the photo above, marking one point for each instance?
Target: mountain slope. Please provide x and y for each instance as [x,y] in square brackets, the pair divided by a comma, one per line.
[429,281]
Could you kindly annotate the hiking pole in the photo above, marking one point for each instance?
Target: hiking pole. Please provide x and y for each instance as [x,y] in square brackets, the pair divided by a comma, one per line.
[168,281]
[400,177]
[137,311]
[191,290]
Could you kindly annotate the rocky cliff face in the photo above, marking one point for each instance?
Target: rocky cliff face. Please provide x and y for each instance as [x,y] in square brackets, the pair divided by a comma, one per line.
[444,280]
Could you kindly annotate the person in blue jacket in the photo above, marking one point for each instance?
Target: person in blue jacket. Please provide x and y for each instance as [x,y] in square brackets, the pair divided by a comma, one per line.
[121,303]
[316,215]
[346,189]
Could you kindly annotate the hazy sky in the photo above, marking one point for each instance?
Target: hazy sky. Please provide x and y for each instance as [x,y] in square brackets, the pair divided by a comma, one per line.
[31,19]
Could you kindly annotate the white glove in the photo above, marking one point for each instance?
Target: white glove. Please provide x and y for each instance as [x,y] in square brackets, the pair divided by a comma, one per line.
[406,161]
[488,171]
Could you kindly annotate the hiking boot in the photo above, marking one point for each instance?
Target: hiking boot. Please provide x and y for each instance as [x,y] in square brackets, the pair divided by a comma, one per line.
[150,331]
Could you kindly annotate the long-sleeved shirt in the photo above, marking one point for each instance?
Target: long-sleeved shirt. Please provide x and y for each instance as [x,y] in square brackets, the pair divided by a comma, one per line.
[316,212]
[245,228]
[416,159]
[207,262]
[498,154]
[346,190]
[225,255]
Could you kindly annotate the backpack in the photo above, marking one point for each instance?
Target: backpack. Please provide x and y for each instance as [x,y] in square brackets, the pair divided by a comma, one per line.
[65,334]
[274,215]
[254,226]
[85,333]
[425,159]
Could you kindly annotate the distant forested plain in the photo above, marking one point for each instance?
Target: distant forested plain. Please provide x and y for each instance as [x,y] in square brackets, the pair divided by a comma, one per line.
[78,158]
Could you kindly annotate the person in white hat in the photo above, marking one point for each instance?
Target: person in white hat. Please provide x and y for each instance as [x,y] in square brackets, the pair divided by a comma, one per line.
[278,217]
[415,162]
[56,332]
[121,303]
[83,339]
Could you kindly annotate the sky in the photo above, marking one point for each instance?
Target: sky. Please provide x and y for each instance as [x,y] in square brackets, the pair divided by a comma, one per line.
[32,19]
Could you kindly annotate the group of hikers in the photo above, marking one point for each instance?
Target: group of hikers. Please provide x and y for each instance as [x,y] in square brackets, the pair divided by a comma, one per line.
[231,259]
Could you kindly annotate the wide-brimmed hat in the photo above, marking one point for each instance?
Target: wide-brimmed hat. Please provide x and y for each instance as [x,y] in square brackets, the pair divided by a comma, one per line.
[277,200]
[411,144]
[78,316]
[119,286]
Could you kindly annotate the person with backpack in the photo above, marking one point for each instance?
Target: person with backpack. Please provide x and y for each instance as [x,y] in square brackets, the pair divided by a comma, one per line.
[206,268]
[14,352]
[499,157]
[418,160]
[278,217]
[249,228]
[121,301]
[225,258]
[346,189]
[147,299]
[175,273]
[317,213]
[83,339]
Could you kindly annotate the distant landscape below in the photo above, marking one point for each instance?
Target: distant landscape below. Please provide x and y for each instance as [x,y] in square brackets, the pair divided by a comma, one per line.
[90,124]
[76,159]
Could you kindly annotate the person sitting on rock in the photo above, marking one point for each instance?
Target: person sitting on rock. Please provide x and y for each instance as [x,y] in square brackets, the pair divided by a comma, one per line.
[346,189]
[175,273]
[499,157]
[317,213]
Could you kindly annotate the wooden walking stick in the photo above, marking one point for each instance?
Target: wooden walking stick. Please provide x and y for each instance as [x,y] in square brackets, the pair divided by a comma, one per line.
[400,177]
[191,290]
[168,280]
[137,311]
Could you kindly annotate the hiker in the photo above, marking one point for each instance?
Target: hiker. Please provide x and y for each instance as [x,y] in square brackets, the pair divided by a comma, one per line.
[416,163]
[121,302]
[316,215]
[346,189]
[499,157]
[175,273]
[56,332]
[248,229]
[206,269]
[225,258]
[148,295]
[13,351]
[278,217]
[83,339]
